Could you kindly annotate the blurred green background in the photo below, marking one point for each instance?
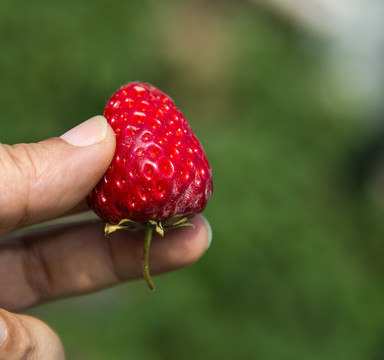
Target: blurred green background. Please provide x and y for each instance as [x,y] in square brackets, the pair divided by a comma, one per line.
[295,270]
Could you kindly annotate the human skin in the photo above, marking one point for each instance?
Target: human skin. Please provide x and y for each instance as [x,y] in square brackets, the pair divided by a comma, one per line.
[48,180]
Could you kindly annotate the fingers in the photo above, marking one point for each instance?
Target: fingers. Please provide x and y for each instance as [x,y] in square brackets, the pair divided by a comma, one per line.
[79,259]
[23,337]
[43,180]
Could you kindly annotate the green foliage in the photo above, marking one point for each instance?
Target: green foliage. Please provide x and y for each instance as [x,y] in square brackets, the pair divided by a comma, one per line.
[295,268]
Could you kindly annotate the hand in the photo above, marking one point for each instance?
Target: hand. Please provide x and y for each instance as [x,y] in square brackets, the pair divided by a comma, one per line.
[45,181]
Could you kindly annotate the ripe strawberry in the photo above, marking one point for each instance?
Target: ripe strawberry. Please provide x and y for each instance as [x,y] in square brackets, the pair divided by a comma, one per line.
[159,176]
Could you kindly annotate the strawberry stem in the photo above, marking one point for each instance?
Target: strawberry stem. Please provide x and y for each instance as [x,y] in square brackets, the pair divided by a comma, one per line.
[147,243]
[158,226]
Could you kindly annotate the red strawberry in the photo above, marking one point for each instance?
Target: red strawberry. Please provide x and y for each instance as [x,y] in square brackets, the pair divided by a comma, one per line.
[159,175]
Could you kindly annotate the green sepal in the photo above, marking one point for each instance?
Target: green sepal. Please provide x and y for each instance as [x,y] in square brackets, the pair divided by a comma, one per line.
[160,228]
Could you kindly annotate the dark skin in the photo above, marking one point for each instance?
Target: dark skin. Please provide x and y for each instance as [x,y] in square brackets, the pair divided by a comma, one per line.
[46,181]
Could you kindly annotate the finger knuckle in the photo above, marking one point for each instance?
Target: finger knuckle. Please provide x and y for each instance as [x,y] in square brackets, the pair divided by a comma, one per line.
[22,165]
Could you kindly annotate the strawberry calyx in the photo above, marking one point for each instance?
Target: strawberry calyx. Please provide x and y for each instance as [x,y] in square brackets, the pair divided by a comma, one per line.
[159,226]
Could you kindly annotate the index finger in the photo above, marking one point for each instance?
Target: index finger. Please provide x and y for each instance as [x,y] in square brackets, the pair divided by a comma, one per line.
[70,260]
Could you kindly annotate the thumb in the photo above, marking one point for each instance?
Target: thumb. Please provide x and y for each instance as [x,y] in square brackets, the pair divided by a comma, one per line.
[43,180]
[25,337]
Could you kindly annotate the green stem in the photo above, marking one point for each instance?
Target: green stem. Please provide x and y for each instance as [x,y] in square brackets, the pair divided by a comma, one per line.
[147,243]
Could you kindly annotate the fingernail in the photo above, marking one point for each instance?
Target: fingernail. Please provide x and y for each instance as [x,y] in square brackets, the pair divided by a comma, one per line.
[209,229]
[87,133]
[3,332]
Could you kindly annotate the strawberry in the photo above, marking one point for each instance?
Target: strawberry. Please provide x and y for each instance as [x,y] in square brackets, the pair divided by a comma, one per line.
[159,176]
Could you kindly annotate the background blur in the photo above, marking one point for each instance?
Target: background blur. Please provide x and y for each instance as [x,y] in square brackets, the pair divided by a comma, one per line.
[286,99]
